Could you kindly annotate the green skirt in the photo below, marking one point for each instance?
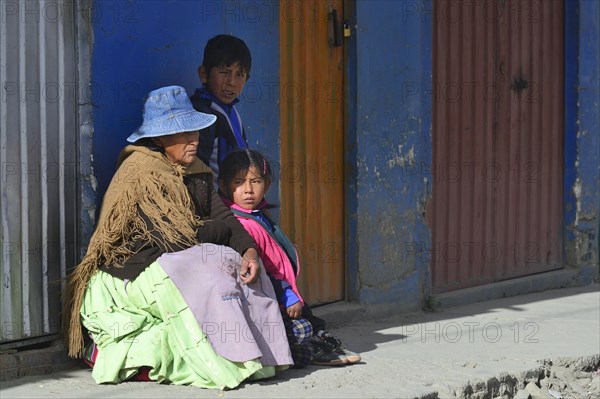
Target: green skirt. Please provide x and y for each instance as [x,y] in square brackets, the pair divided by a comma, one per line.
[146,322]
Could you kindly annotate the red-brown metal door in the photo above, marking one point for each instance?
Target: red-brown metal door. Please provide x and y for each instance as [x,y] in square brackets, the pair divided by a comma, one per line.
[312,145]
[496,209]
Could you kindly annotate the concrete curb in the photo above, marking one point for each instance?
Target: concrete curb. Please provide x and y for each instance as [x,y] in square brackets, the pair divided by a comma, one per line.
[36,361]
[509,288]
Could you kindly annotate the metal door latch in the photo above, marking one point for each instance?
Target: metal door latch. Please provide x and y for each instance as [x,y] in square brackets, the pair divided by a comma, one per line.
[333,28]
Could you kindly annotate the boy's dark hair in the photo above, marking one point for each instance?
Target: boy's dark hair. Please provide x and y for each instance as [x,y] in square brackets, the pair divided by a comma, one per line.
[242,159]
[226,50]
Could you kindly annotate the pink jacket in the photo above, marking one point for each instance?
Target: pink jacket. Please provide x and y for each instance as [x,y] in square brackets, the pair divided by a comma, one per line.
[273,256]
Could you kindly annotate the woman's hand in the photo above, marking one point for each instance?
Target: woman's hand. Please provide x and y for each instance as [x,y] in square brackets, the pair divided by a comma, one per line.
[250,266]
[295,310]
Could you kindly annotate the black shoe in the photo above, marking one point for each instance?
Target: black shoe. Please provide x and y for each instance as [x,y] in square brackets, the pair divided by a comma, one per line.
[326,353]
[333,343]
[322,357]
[328,339]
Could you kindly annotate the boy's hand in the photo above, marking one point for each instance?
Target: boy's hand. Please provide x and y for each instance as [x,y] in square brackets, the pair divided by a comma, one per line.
[295,310]
[250,267]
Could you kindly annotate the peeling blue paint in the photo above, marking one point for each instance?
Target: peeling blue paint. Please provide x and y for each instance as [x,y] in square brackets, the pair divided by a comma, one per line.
[407,289]
[393,151]
[570,141]
[582,143]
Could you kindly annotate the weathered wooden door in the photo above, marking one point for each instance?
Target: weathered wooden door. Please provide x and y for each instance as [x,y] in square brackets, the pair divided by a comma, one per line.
[496,210]
[312,146]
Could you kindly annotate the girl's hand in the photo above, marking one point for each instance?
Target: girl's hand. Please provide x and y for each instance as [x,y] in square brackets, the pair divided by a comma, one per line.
[295,310]
[250,267]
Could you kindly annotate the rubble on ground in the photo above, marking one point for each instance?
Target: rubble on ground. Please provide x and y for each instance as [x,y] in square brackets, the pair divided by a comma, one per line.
[562,378]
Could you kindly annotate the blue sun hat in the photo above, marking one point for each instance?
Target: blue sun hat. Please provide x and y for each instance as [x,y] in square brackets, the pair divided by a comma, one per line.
[168,110]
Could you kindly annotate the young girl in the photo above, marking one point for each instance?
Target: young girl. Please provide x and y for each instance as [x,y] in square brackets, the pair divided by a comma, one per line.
[244,179]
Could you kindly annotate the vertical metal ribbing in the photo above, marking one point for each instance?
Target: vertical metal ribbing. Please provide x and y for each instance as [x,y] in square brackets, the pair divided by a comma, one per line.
[25,264]
[38,137]
[61,149]
[7,313]
[44,181]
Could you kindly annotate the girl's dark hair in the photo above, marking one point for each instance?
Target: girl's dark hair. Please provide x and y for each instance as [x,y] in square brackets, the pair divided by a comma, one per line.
[226,50]
[242,159]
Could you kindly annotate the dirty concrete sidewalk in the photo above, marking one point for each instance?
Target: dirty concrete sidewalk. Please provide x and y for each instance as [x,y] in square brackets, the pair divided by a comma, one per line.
[421,354]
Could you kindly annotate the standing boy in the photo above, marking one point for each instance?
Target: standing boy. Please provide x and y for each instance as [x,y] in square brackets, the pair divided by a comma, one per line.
[224,72]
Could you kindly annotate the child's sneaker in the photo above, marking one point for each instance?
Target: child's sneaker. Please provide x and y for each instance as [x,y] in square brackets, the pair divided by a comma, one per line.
[325,355]
[334,343]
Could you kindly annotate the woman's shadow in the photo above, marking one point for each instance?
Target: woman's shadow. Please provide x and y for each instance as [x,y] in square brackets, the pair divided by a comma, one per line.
[358,339]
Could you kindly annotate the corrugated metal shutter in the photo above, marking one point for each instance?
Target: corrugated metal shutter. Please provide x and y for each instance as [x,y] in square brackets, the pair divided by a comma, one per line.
[496,211]
[38,155]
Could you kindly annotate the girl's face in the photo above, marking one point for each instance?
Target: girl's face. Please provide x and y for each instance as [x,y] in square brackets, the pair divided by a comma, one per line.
[179,148]
[247,189]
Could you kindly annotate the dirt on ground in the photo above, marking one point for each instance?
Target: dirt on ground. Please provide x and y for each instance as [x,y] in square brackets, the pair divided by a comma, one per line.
[562,378]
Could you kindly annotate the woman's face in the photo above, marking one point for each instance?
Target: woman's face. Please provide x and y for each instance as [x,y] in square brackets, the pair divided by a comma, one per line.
[248,188]
[180,148]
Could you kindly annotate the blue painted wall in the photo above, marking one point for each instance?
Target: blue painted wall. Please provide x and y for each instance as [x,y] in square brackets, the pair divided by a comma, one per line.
[142,45]
[582,142]
[392,153]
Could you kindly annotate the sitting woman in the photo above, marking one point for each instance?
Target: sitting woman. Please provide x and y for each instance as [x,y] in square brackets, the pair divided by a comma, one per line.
[163,287]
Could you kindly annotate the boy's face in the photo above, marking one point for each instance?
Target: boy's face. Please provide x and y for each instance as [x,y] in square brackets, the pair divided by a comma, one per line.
[224,82]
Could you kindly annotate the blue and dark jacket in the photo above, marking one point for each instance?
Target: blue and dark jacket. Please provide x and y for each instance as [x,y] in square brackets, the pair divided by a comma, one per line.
[223,136]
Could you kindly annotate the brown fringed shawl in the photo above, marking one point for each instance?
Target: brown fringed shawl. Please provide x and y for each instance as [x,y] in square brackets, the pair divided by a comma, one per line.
[144,181]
